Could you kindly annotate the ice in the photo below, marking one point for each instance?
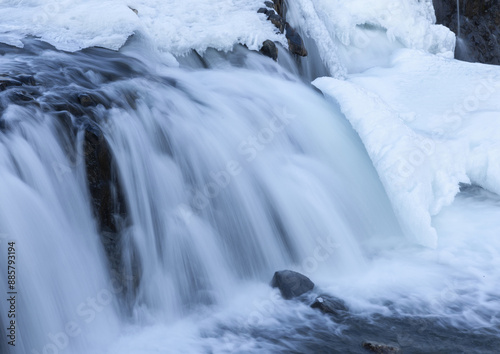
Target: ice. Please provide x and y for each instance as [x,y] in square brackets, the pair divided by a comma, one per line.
[173,26]
[428,123]
[342,29]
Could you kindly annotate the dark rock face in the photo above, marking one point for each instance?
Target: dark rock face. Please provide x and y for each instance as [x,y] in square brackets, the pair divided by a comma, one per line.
[380,348]
[269,49]
[279,6]
[295,42]
[108,204]
[291,284]
[98,162]
[479,28]
[60,89]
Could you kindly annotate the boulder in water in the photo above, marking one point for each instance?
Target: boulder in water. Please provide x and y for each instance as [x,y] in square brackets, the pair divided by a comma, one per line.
[291,284]
[269,49]
[329,304]
[380,348]
[86,100]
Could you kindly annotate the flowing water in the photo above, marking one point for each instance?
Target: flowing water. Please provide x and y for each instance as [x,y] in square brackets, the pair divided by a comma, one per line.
[229,168]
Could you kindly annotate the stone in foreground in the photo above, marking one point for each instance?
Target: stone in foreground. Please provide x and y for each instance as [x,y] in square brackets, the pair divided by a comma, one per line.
[291,284]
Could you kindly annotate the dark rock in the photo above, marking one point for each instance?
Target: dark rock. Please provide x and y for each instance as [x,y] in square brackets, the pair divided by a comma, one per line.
[295,42]
[108,205]
[269,49]
[8,82]
[135,11]
[86,100]
[479,28]
[263,10]
[329,304]
[291,284]
[278,21]
[22,96]
[28,80]
[380,348]
[269,4]
[98,162]
[279,7]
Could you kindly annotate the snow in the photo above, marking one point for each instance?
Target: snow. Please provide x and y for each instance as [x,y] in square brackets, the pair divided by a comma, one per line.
[340,27]
[173,26]
[428,123]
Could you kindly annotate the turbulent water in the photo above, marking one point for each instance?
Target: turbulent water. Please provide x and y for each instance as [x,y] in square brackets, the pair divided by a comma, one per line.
[223,170]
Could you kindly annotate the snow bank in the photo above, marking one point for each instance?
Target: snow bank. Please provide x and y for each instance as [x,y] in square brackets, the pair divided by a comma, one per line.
[428,124]
[338,24]
[175,26]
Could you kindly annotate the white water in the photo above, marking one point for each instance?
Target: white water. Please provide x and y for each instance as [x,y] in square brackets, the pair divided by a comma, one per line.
[213,183]
[230,174]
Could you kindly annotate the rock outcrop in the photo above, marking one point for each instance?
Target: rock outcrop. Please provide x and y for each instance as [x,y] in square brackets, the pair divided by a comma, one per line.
[276,13]
[479,39]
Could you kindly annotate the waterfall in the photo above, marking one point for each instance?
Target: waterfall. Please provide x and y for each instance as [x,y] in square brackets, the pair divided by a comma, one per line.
[153,188]
[216,166]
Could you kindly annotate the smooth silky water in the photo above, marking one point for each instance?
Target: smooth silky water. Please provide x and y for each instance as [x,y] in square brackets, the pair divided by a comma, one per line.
[231,168]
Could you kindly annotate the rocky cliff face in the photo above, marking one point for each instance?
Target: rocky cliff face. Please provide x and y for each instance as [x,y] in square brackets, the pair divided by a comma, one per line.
[479,39]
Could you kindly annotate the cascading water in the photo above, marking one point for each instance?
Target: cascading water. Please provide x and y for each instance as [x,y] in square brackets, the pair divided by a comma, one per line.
[151,204]
[215,167]
[462,50]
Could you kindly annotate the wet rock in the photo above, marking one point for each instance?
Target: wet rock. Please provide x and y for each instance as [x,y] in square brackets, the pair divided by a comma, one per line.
[22,96]
[108,206]
[8,82]
[28,80]
[269,49]
[135,11]
[295,42]
[263,10]
[279,7]
[329,304]
[99,178]
[291,284]
[278,21]
[269,4]
[86,100]
[380,348]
